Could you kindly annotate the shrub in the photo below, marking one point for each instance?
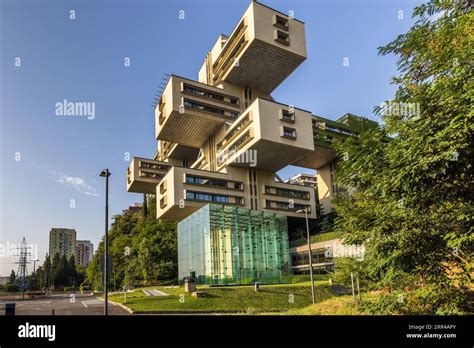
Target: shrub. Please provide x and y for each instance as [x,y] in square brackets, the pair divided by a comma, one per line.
[429,300]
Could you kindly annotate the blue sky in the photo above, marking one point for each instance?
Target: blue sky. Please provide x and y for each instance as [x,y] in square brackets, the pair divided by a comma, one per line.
[83,60]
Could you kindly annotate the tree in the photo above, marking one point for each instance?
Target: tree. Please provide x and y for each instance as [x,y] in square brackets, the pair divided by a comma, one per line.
[70,272]
[47,271]
[12,277]
[56,270]
[143,250]
[409,185]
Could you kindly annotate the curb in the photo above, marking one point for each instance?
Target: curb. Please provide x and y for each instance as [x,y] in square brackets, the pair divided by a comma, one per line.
[118,304]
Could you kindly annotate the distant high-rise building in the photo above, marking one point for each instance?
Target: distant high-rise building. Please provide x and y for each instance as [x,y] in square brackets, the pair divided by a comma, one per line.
[303,179]
[62,241]
[136,207]
[84,252]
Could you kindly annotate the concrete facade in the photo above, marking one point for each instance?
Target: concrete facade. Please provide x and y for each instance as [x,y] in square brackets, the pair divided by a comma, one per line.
[62,241]
[221,139]
[84,252]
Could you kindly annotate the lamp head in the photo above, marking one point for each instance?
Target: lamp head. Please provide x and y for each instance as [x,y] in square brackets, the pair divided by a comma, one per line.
[105,173]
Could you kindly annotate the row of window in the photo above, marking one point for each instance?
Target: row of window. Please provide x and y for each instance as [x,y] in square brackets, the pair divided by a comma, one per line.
[239,142]
[232,48]
[149,165]
[208,108]
[302,258]
[211,95]
[242,124]
[199,180]
[286,206]
[150,175]
[286,192]
[281,34]
[209,197]
[234,148]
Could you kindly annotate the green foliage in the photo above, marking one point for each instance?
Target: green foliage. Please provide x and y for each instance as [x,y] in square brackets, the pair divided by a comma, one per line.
[429,300]
[408,186]
[12,277]
[143,250]
[71,288]
[10,288]
[344,266]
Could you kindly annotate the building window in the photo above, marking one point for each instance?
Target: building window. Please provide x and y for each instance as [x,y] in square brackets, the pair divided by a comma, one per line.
[287,116]
[199,196]
[150,175]
[215,198]
[280,22]
[199,180]
[286,192]
[287,132]
[208,108]
[210,95]
[163,202]
[149,165]
[243,123]
[281,37]
[163,187]
[286,206]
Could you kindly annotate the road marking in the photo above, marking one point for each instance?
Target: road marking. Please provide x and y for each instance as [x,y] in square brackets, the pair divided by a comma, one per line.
[91,302]
[44,302]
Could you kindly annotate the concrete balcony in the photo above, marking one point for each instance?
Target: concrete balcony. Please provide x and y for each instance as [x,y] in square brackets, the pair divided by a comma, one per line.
[143,175]
[182,191]
[167,150]
[262,51]
[268,136]
[285,198]
[189,112]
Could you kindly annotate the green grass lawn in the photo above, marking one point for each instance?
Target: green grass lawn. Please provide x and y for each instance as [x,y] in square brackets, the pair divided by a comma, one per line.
[238,299]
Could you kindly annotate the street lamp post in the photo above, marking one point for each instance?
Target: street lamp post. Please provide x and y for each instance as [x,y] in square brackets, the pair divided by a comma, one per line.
[105,173]
[305,210]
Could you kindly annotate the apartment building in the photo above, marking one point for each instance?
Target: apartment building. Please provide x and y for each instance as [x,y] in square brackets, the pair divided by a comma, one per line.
[323,255]
[303,179]
[222,138]
[84,252]
[62,241]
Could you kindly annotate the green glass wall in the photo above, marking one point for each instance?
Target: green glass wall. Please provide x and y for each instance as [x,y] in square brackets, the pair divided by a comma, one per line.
[223,244]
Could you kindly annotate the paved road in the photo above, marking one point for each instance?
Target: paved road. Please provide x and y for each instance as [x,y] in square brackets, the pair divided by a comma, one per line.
[63,304]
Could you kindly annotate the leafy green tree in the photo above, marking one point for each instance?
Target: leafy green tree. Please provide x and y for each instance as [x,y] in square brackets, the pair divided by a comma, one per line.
[344,266]
[143,250]
[409,185]
[47,271]
[55,271]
